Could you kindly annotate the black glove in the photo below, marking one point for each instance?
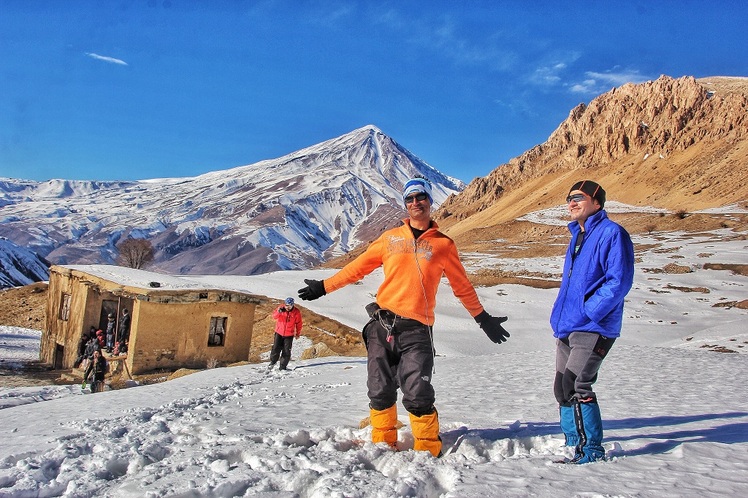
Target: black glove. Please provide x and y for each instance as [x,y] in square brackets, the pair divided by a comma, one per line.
[491,325]
[282,309]
[314,290]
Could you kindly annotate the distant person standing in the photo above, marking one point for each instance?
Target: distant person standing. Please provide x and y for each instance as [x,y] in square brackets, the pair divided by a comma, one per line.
[110,332]
[588,314]
[288,325]
[123,331]
[398,338]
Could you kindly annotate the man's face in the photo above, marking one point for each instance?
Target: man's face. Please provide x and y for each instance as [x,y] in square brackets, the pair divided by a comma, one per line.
[418,206]
[581,206]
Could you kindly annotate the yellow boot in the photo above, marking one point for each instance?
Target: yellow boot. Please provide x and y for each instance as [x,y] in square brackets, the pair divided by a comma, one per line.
[426,433]
[383,426]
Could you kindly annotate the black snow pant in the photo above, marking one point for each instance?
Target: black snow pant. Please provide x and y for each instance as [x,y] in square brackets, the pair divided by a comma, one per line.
[399,354]
[281,348]
[578,359]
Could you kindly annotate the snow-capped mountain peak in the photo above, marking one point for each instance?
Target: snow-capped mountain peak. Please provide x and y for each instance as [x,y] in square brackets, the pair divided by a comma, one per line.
[286,213]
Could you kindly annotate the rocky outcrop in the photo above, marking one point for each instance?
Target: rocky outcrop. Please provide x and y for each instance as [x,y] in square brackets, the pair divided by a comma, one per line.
[319,350]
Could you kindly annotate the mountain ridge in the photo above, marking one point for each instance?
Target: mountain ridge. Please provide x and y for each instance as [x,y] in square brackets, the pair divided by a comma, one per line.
[676,145]
[286,213]
[670,143]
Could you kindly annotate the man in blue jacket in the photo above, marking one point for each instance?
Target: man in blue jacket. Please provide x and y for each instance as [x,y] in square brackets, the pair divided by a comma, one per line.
[587,315]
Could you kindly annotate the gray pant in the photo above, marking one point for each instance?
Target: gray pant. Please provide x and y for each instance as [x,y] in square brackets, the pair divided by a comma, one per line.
[281,348]
[399,354]
[578,359]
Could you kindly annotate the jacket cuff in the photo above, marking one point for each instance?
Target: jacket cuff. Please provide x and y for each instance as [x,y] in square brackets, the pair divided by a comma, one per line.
[482,316]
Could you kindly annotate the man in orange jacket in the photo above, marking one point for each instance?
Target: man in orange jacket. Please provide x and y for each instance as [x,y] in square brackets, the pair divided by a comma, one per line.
[398,337]
[287,327]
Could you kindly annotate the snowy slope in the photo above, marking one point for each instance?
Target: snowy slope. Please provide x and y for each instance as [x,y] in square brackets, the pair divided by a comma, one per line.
[286,213]
[19,266]
[674,410]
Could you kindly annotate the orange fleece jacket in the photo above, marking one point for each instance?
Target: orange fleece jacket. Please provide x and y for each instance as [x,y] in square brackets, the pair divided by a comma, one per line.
[412,271]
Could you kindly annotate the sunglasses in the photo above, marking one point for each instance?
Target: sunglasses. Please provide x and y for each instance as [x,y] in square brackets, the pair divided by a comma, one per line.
[416,197]
[576,198]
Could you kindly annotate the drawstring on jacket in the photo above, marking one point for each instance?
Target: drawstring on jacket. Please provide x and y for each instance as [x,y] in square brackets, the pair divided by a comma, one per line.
[426,301]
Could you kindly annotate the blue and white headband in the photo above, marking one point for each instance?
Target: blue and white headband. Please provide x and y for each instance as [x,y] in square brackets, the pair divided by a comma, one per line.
[416,185]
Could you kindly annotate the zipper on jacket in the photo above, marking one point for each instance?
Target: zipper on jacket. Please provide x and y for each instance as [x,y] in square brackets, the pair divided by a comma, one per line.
[576,251]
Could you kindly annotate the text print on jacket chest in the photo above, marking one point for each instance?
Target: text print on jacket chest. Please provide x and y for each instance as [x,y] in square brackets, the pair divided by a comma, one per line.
[402,245]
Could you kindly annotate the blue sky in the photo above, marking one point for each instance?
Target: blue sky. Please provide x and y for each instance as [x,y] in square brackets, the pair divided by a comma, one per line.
[146,89]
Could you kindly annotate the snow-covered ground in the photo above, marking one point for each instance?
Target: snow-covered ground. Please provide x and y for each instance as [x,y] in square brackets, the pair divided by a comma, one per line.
[675,410]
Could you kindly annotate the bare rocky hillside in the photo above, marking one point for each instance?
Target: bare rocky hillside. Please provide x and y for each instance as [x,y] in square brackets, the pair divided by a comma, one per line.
[678,144]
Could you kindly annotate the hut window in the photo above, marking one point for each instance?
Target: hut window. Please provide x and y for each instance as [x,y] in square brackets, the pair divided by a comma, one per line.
[65,307]
[217,333]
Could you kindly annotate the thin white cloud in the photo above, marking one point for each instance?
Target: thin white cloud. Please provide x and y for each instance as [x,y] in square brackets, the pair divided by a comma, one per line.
[597,82]
[555,74]
[333,17]
[443,34]
[110,60]
[586,86]
[518,105]
[618,78]
[550,73]
[390,18]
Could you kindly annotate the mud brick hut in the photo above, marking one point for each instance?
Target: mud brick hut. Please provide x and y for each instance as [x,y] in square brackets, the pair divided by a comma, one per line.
[175,322]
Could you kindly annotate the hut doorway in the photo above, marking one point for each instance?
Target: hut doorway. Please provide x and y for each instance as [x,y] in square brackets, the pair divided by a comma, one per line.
[107,306]
[59,356]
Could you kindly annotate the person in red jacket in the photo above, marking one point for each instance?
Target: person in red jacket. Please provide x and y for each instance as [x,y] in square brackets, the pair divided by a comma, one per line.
[398,338]
[287,327]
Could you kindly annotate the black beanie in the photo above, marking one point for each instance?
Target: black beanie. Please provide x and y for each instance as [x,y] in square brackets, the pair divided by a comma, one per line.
[592,189]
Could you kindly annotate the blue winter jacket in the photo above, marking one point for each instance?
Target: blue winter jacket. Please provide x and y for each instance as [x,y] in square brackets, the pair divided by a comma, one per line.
[596,280]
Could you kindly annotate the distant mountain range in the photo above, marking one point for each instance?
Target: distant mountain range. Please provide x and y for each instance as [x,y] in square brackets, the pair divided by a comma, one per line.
[288,213]
[674,144]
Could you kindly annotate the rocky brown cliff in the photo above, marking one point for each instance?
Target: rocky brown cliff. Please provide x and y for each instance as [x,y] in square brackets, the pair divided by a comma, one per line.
[672,143]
